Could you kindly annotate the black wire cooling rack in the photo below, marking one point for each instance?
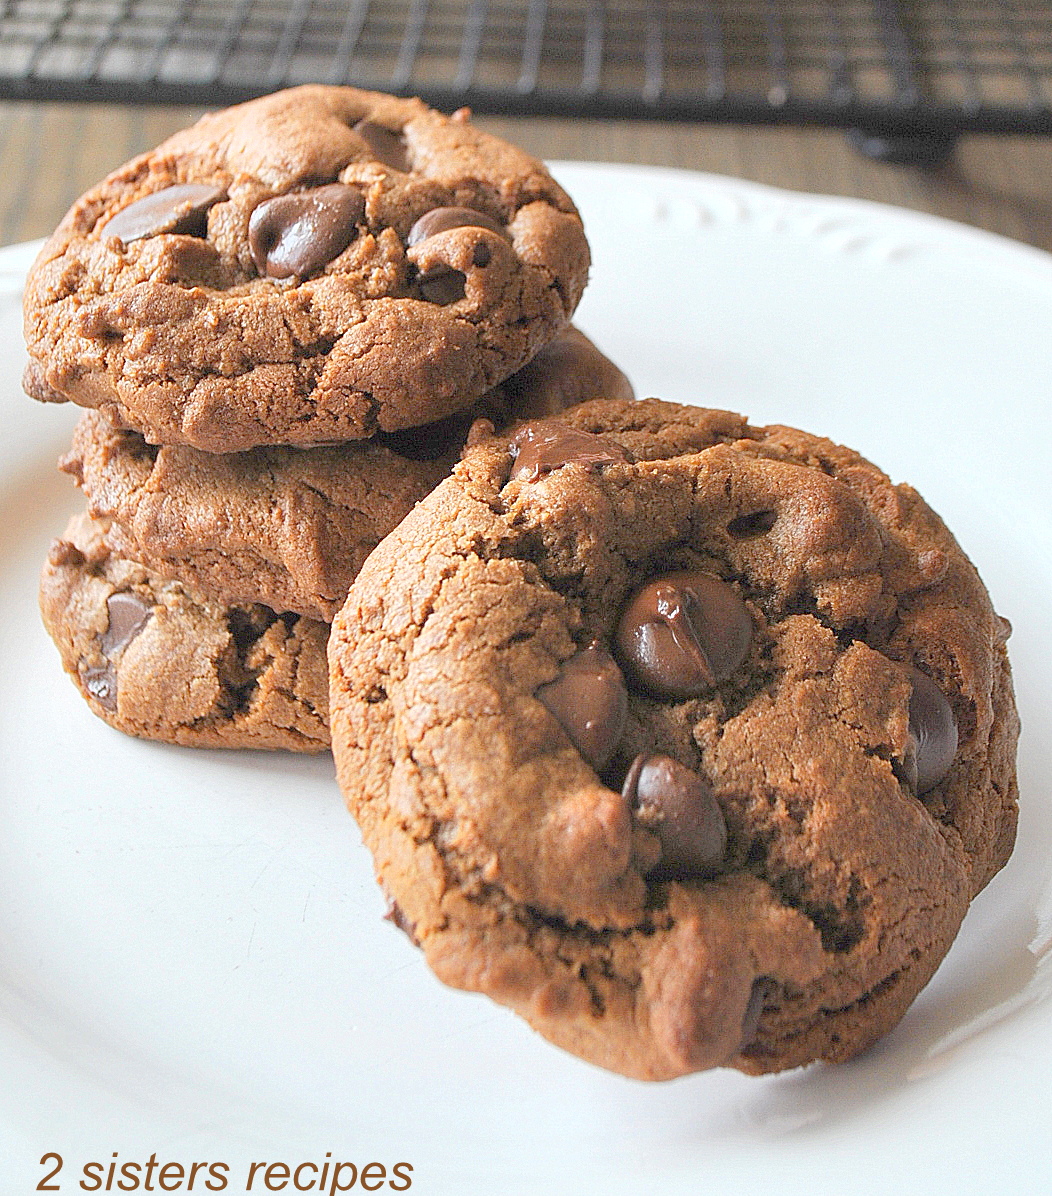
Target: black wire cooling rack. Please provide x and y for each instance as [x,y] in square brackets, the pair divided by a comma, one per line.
[934,67]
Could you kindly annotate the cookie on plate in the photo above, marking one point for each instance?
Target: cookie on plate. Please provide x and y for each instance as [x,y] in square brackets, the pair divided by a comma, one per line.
[288,527]
[158,662]
[311,267]
[690,741]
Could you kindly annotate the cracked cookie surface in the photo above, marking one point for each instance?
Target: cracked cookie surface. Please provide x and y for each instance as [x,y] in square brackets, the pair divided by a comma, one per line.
[758,871]
[307,268]
[289,528]
[158,662]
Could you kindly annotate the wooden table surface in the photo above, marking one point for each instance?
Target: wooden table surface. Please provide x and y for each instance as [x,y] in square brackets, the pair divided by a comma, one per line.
[50,153]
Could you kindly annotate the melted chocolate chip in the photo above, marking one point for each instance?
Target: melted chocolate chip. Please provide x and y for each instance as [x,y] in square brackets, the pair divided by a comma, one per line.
[932,735]
[546,444]
[388,147]
[296,235]
[442,285]
[590,701]
[179,209]
[129,614]
[678,806]
[682,633]
[101,683]
[440,220]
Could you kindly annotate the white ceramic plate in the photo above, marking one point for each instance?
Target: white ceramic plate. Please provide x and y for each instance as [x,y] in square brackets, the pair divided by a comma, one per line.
[192,956]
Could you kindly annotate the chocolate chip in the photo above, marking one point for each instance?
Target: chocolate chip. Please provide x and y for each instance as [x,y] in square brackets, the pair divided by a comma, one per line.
[179,209]
[389,147]
[932,735]
[129,614]
[101,683]
[546,444]
[440,220]
[442,285]
[296,235]
[590,702]
[678,806]
[682,633]
[763,988]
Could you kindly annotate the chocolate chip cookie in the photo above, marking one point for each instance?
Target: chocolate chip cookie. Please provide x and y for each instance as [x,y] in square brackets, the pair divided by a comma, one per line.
[158,662]
[308,268]
[289,528]
[689,740]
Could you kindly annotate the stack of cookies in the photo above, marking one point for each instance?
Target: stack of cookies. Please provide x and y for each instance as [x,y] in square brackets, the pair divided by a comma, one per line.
[689,740]
[285,321]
